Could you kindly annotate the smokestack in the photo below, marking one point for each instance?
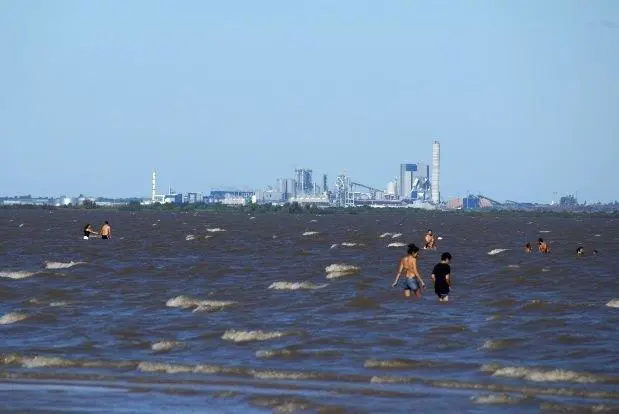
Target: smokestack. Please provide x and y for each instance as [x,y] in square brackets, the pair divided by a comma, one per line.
[154,189]
[436,161]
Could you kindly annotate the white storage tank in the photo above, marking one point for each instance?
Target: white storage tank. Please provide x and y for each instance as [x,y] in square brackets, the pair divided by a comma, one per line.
[391,188]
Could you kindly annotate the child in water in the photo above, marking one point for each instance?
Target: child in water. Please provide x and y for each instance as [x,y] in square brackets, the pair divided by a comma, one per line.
[542,246]
[408,266]
[441,278]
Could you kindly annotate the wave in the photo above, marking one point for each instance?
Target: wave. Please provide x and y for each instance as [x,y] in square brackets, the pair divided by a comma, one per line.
[340,269]
[164,346]
[395,236]
[295,286]
[186,302]
[309,233]
[498,343]
[20,274]
[349,244]
[270,353]
[496,399]
[396,364]
[283,375]
[216,230]
[59,303]
[396,244]
[333,246]
[390,380]
[513,266]
[247,336]
[382,236]
[544,231]
[190,237]
[541,375]
[496,251]
[61,265]
[614,303]
[36,361]
[12,317]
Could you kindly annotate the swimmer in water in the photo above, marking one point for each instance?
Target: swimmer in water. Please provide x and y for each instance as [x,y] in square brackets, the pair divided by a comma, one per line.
[542,246]
[88,230]
[528,248]
[441,277]
[580,251]
[106,231]
[408,266]
[429,241]
[594,252]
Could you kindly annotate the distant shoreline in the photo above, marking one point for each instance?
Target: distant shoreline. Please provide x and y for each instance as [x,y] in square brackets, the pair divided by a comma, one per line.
[611,210]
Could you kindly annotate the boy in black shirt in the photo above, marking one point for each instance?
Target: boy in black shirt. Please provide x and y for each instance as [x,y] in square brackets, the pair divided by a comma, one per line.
[440,277]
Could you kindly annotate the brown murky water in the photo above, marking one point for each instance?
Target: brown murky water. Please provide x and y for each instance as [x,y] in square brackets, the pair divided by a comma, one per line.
[232,313]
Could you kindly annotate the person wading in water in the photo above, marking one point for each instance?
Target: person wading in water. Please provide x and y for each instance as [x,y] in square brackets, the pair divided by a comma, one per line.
[408,265]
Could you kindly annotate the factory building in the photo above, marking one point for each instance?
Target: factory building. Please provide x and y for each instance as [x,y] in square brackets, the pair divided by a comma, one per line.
[228,196]
[414,181]
[288,188]
[304,181]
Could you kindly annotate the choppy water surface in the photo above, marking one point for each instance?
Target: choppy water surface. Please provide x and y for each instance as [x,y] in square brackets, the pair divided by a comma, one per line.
[232,313]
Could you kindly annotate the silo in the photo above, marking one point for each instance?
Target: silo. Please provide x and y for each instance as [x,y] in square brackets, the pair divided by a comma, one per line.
[436,160]
[391,188]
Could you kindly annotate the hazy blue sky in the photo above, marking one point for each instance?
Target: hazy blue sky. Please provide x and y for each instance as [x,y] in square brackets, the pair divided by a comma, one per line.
[523,95]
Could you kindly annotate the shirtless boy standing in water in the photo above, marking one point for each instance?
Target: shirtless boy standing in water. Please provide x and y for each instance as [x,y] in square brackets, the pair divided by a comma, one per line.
[106,231]
[408,266]
[542,246]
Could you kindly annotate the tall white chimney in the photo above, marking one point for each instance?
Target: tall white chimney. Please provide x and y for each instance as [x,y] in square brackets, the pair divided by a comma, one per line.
[436,164]
[154,189]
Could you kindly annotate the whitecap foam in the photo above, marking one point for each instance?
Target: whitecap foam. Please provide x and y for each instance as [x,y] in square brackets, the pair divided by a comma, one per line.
[186,302]
[340,269]
[163,346]
[382,236]
[281,375]
[20,274]
[389,380]
[21,225]
[396,244]
[333,246]
[212,305]
[496,399]
[247,336]
[309,233]
[252,218]
[540,375]
[270,353]
[162,367]
[12,317]
[36,361]
[545,269]
[395,236]
[439,238]
[190,237]
[295,286]
[513,266]
[544,231]
[597,235]
[313,221]
[59,303]
[215,230]
[61,265]
[350,244]
[496,251]
[614,303]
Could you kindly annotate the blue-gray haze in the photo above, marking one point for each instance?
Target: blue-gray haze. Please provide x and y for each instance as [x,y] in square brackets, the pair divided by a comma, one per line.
[522,95]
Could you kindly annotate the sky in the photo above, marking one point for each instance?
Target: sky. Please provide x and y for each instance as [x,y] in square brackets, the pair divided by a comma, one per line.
[522,95]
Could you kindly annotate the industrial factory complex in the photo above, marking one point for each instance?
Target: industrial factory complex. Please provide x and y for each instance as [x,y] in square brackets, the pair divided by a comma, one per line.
[415,185]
